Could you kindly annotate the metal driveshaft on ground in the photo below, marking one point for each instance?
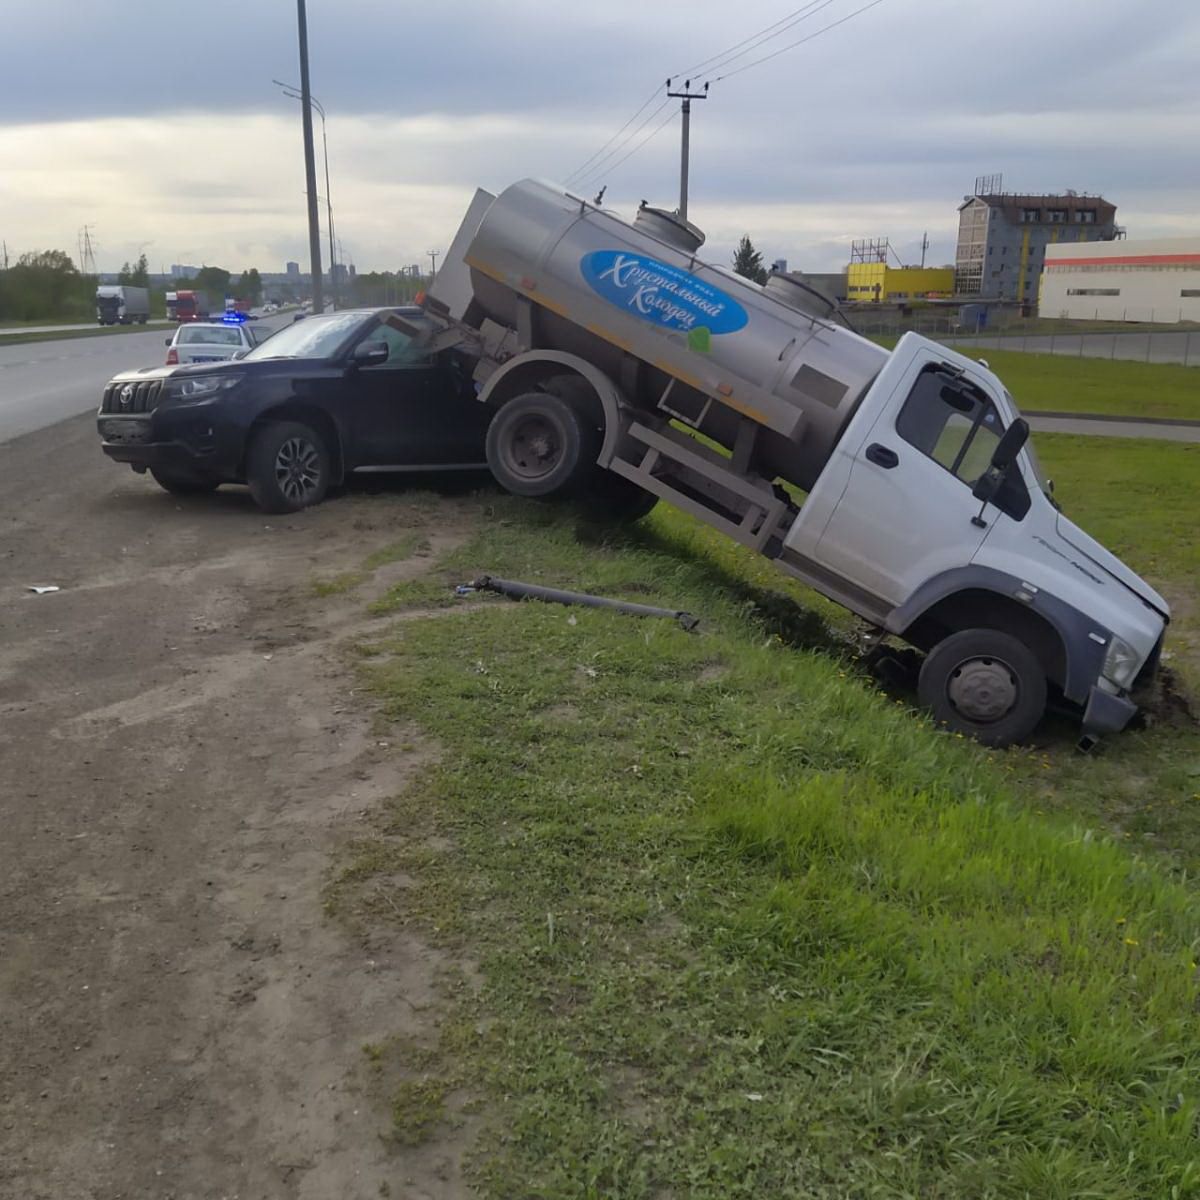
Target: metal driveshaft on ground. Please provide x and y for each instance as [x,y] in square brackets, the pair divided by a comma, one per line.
[531,591]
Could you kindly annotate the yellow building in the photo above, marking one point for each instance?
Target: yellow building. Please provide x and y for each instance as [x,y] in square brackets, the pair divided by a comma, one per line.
[877,283]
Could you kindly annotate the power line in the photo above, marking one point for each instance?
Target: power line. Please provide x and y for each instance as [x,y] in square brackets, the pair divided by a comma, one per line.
[583,166]
[645,141]
[799,42]
[781,26]
[604,164]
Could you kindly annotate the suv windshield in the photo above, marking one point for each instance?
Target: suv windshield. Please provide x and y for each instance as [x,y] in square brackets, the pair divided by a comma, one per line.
[314,337]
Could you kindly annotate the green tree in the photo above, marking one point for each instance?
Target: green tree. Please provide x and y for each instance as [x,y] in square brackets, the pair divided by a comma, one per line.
[250,286]
[137,275]
[748,261]
[213,281]
[45,284]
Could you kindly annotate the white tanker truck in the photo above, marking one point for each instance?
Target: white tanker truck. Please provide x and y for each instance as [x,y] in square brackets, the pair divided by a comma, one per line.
[624,367]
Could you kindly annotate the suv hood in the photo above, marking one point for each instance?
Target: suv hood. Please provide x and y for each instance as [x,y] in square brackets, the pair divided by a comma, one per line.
[1111,565]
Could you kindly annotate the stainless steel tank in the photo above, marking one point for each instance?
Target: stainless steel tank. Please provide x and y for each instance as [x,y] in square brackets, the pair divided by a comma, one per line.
[637,301]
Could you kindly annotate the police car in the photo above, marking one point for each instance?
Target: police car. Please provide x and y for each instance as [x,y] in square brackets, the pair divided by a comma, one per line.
[213,341]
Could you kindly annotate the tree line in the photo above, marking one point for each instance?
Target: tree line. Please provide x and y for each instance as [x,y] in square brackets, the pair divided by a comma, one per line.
[46,285]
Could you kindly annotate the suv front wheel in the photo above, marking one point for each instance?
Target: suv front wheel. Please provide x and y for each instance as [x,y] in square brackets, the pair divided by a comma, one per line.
[287,467]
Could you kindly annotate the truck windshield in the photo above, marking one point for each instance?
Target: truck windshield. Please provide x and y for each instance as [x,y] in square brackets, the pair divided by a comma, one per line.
[1045,486]
[314,337]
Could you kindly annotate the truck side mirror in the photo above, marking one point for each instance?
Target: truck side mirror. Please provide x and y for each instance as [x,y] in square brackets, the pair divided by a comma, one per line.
[1003,457]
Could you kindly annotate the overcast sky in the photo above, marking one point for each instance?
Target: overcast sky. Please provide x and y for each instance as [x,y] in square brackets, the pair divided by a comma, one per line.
[157,123]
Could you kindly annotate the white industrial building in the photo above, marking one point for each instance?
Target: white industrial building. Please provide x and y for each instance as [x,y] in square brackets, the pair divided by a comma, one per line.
[1157,280]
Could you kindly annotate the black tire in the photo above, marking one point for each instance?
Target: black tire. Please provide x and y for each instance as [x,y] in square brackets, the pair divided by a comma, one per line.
[984,684]
[287,467]
[616,500]
[183,485]
[542,445]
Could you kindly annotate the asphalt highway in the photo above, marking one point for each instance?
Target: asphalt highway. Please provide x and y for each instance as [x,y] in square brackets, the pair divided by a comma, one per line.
[45,382]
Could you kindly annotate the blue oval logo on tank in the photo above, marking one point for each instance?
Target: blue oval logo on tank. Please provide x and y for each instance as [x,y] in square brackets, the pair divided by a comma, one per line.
[660,293]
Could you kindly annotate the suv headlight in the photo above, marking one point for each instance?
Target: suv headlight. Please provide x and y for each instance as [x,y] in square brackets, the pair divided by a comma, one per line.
[1121,662]
[205,385]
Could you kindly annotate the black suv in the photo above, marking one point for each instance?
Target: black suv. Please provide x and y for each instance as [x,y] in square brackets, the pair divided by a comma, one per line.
[325,396]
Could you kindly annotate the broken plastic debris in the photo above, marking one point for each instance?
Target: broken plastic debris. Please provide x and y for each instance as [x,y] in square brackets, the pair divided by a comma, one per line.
[463,589]
[754,1095]
[40,589]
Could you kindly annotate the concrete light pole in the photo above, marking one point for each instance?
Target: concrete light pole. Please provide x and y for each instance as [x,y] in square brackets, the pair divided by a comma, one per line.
[310,164]
[687,96]
[294,93]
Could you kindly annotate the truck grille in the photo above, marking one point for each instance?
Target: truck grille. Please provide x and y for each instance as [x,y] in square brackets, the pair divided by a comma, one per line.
[141,397]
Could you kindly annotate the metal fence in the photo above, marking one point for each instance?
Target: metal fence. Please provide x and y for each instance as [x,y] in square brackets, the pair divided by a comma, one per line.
[1180,346]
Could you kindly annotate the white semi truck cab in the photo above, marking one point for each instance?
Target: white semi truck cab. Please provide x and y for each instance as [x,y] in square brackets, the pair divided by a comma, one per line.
[899,483]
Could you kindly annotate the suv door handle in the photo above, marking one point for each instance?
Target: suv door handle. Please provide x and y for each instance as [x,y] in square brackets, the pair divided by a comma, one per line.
[881,456]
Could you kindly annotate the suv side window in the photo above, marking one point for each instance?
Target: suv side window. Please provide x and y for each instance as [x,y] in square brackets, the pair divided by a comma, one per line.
[402,351]
[957,426]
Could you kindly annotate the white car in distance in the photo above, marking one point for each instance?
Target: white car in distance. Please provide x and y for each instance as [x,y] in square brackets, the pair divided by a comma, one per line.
[212,341]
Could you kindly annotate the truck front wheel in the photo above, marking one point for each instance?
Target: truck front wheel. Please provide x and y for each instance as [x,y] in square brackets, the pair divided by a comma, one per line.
[984,684]
[542,445]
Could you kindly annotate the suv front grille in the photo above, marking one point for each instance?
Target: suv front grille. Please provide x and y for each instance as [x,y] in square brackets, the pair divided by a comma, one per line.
[140,397]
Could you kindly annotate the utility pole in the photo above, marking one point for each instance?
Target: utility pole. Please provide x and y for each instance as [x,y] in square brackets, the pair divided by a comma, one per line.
[433,254]
[310,163]
[687,96]
[924,247]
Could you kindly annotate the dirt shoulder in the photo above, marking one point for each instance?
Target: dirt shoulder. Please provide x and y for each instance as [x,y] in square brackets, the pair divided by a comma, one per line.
[180,760]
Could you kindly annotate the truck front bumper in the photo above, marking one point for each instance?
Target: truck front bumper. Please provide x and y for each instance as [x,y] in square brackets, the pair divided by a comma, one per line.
[1106,713]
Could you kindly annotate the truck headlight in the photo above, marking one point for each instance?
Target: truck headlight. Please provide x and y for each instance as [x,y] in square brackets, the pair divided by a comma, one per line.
[206,385]
[1121,662]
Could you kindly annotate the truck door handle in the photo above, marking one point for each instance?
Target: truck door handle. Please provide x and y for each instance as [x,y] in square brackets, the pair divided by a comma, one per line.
[881,456]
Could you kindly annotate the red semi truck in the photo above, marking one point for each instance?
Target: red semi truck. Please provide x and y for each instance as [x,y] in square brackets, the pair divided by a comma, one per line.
[191,306]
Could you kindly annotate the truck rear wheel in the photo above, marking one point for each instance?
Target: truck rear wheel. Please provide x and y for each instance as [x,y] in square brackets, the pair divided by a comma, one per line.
[542,445]
[287,467]
[984,684]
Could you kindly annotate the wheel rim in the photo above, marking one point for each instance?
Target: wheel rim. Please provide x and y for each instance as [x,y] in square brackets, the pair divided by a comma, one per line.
[534,447]
[983,689]
[298,469]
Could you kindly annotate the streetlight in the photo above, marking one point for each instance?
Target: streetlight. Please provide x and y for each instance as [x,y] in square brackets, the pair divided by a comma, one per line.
[294,93]
[310,166]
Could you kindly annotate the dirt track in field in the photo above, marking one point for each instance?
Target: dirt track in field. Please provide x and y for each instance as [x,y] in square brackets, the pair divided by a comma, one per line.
[181,754]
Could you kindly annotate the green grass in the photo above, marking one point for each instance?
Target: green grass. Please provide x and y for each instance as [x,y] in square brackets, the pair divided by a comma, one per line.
[746,926]
[17,338]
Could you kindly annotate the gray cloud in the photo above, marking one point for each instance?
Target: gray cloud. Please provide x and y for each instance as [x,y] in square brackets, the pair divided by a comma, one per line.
[876,129]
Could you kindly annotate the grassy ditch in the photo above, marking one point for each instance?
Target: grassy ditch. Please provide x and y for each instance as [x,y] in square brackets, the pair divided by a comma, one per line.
[747,926]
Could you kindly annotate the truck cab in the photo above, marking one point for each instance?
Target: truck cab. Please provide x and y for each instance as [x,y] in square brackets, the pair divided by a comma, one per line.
[913,527]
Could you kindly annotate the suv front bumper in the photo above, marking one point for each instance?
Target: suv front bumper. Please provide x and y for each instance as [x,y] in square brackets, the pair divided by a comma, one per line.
[131,440]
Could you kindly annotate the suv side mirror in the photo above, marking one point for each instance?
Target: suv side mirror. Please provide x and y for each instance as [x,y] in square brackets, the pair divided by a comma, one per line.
[370,354]
[1003,458]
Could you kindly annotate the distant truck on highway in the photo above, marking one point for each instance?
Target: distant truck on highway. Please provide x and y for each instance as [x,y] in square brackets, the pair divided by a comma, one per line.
[191,306]
[120,304]
[900,484]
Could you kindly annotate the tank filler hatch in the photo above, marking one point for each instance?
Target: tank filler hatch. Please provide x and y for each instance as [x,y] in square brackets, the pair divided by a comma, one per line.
[669,227]
[797,294]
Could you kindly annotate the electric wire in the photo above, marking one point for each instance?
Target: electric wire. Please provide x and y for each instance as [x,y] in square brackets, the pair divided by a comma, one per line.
[584,165]
[718,61]
[605,164]
[645,141]
[799,42]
